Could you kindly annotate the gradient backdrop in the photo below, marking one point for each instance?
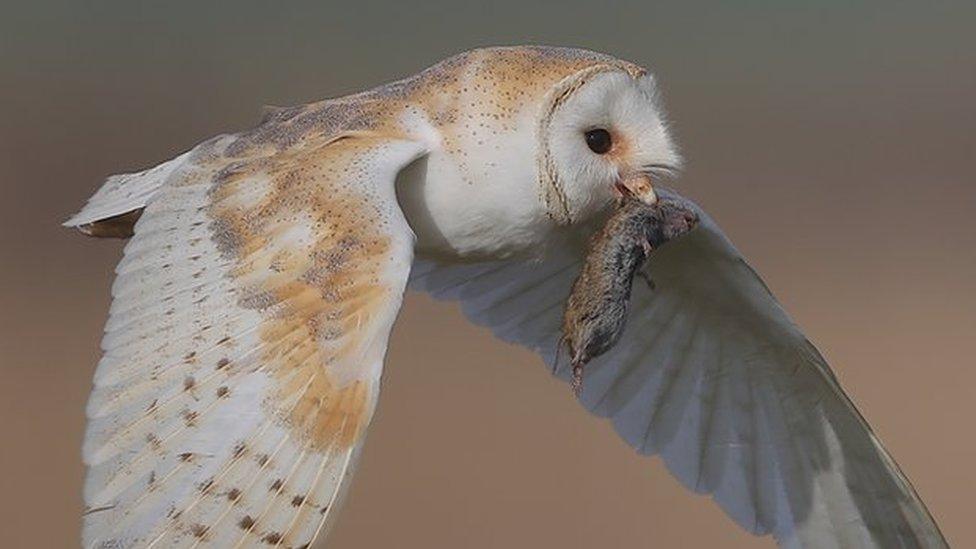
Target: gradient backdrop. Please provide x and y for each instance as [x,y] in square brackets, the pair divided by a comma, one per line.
[835,143]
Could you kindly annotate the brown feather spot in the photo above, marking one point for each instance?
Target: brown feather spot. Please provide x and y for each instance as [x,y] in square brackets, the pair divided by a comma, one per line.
[154,441]
[263,459]
[222,392]
[206,485]
[198,530]
[246,523]
[190,417]
[188,383]
[297,501]
[272,538]
[239,449]
[276,485]
[233,494]
[185,456]
[222,363]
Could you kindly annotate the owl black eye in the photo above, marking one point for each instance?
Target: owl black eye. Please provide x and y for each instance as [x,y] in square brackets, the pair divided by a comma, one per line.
[599,141]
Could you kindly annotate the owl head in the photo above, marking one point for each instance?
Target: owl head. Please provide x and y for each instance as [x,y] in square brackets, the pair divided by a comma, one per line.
[601,134]
[529,139]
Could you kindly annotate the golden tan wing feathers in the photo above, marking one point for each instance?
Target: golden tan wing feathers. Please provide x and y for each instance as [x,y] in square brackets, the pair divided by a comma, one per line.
[243,353]
[310,258]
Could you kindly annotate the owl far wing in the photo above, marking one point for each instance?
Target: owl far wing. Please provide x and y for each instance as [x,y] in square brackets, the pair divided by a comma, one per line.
[243,351]
[713,375]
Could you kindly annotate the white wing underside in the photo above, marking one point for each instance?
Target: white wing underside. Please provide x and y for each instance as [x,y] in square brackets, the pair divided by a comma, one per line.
[713,375]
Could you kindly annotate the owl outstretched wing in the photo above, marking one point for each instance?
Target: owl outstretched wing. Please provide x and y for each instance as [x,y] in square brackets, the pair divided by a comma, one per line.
[713,375]
[246,337]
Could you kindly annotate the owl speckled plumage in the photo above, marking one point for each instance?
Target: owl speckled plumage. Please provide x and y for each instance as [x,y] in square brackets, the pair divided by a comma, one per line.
[253,305]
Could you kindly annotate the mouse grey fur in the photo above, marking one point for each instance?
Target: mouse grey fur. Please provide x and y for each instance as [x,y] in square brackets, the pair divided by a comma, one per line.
[596,310]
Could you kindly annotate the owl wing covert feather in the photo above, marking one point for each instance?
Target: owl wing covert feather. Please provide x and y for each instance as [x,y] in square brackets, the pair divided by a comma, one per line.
[243,351]
[713,375]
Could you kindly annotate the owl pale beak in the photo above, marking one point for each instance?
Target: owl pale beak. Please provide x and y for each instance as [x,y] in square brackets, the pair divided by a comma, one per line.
[639,186]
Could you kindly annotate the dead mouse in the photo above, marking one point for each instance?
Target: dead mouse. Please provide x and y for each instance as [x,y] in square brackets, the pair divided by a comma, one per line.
[596,310]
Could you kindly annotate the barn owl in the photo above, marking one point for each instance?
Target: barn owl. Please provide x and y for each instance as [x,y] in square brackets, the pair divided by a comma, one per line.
[252,309]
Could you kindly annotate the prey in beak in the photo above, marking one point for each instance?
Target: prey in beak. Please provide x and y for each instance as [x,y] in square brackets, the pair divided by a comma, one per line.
[596,309]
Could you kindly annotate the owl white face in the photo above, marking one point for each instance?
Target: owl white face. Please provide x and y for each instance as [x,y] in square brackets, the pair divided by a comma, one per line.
[606,137]
[525,141]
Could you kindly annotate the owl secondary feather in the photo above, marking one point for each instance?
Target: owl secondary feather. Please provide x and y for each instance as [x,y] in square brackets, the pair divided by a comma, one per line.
[596,311]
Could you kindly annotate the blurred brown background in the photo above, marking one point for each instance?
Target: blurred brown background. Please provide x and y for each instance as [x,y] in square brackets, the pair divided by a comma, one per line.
[834,142]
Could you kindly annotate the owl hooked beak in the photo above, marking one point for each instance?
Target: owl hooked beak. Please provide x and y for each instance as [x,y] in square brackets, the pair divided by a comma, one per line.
[637,185]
